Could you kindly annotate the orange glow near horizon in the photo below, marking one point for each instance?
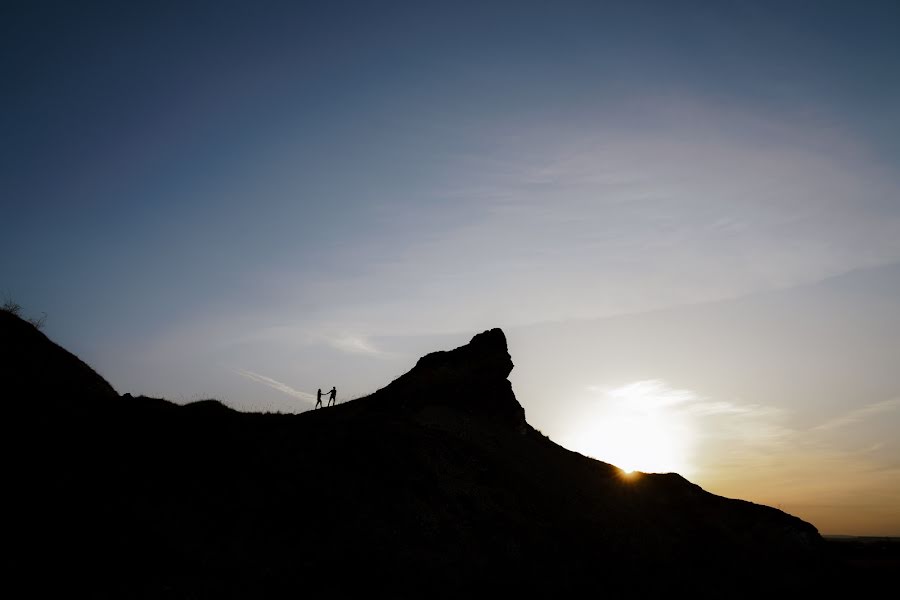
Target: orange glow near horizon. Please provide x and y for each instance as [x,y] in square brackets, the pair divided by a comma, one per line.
[629,475]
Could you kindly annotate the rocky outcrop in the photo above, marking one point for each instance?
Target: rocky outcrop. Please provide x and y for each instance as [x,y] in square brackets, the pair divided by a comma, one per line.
[471,379]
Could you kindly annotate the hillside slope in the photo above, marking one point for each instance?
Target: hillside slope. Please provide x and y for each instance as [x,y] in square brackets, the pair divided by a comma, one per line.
[435,485]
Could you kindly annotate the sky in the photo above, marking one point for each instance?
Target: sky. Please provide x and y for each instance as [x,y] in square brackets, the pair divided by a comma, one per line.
[685,216]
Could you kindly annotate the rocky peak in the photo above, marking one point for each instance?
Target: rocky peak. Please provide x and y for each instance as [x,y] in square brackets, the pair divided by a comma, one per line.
[471,378]
[485,357]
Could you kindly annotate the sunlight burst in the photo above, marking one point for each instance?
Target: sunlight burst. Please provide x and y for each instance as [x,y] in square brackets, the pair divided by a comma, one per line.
[637,427]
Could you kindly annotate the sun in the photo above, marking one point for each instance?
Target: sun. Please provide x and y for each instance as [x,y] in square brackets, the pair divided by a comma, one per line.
[629,475]
[636,427]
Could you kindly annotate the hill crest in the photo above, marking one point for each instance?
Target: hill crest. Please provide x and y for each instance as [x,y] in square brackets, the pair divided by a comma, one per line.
[421,488]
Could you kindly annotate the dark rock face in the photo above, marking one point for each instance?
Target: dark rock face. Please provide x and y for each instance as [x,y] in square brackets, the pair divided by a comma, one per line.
[471,379]
[432,486]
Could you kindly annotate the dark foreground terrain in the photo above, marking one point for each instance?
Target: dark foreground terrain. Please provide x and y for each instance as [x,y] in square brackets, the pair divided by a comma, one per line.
[421,489]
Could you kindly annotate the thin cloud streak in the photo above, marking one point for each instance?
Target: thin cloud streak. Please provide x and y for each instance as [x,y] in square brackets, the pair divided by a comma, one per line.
[277,385]
[860,414]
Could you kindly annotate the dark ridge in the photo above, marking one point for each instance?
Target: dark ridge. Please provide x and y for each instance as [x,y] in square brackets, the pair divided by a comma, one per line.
[33,366]
[434,486]
[209,407]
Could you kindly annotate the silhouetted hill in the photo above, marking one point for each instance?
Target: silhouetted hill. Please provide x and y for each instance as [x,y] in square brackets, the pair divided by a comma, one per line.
[34,366]
[433,486]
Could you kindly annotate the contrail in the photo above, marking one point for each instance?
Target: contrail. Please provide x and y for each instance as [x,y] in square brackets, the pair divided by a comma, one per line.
[281,387]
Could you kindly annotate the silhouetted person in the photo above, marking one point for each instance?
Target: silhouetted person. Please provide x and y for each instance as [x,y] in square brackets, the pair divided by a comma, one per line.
[331,396]
[318,398]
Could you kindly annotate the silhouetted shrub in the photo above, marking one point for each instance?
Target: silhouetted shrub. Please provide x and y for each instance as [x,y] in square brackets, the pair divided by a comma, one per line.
[38,322]
[14,308]
[11,306]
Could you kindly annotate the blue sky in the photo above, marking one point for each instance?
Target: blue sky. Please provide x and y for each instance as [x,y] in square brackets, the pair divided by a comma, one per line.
[253,200]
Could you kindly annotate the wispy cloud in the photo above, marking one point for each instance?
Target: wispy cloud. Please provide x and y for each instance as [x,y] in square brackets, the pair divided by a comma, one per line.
[860,414]
[656,393]
[719,407]
[355,344]
[277,385]
[702,209]
[743,447]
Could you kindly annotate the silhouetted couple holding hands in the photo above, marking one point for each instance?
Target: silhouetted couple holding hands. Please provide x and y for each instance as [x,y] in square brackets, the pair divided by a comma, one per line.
[331,397]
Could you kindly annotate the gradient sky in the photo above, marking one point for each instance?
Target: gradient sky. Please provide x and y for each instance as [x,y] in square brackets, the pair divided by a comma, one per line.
[685,215]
